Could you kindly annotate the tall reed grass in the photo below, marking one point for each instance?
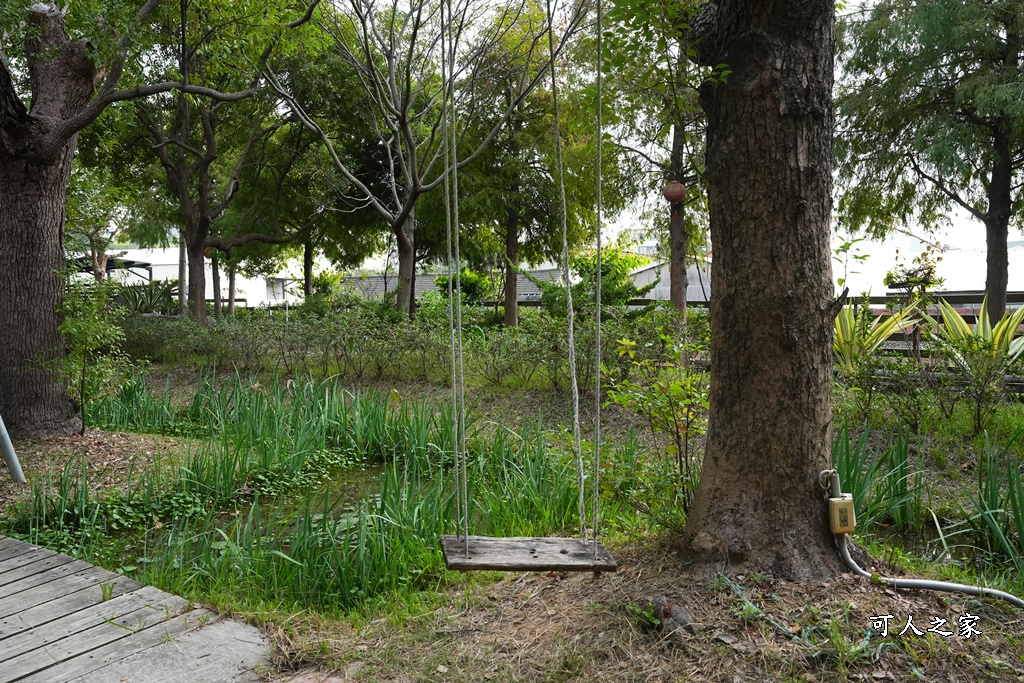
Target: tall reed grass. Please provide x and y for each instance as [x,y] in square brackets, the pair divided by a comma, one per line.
[215,527]
[885,489]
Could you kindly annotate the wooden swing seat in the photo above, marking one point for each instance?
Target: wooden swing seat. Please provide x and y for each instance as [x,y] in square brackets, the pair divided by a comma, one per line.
[525,554]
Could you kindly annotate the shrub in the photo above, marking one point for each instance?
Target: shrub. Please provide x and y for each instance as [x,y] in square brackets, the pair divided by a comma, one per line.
[94,364]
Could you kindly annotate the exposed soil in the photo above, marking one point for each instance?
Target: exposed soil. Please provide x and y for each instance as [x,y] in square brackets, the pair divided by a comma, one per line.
[110,459]
[558,627]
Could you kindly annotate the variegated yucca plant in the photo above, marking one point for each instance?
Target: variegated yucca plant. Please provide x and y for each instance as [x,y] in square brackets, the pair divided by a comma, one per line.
[984,341]
[983,355]
[859,335]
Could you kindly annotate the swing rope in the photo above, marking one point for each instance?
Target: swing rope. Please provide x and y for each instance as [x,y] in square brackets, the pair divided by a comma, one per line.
[451,207]
[555,552]
[570,314]
[597,284]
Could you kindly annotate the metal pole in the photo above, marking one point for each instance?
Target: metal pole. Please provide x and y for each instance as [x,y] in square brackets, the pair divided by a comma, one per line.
[10,457]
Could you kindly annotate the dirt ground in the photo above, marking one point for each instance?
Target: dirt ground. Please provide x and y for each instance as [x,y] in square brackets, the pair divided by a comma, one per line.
[558,627]
[548,628]
[110,458]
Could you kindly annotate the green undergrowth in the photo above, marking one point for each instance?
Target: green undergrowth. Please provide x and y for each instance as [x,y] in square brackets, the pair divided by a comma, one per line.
[999,576]
[978,534]
[264,513]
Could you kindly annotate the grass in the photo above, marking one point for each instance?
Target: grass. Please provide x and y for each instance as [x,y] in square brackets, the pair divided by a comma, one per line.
[885,489]
[252,516]
[259,516]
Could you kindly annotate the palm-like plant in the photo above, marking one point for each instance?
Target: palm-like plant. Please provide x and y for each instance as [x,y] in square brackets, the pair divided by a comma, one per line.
[984,354]
[984,342]
[858,335]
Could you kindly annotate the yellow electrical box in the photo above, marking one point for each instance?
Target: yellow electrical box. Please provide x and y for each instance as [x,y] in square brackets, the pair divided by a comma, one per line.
[841,514]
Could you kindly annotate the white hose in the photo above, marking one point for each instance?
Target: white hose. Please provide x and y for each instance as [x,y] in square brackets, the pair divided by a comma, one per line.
[844,550]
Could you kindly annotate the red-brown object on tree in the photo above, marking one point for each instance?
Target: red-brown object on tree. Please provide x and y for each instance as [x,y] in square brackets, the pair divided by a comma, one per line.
[674,191]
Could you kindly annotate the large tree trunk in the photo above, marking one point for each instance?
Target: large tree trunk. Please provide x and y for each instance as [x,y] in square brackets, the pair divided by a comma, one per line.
[406,263]
[511,262]
[769,149]
[32,401]
[35,164]
[997,221]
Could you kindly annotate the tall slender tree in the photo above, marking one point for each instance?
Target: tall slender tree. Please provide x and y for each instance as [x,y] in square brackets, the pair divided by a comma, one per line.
[511,191]
[395,49]
[658,119]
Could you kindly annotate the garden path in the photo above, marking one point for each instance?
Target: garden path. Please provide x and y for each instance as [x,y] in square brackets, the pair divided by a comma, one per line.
[64,620]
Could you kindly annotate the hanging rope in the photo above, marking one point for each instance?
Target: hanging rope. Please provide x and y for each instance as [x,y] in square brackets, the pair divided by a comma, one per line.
[575,394]
[451,204]
[451,208]
[597,286]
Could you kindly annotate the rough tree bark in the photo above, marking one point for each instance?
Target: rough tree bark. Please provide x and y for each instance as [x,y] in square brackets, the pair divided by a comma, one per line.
[769,152]
[997,225]
[35,164]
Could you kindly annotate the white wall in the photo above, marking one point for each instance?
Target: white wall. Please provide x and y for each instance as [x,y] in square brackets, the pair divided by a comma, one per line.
[250,292]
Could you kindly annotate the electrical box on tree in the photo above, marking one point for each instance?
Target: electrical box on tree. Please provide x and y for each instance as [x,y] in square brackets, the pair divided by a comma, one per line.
[841,514]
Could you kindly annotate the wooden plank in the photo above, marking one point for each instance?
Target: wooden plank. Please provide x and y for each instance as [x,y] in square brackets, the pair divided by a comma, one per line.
[31,609]
[31,556]
[10,547]
[38,573]
[87,662]
[7,541]
[52,590]
[525,554]
[117,629]
[118,610]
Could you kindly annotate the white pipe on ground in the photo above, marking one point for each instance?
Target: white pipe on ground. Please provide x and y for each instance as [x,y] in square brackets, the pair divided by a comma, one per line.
[924,584]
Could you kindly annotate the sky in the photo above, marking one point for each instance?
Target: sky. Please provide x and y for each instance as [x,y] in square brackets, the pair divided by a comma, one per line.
[962,265]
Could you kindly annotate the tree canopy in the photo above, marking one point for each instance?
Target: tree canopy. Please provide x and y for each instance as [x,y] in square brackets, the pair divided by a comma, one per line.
[931,117]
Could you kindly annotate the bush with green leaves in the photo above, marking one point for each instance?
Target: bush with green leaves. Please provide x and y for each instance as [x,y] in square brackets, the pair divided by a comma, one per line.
[996,523]
[94,364]
[155,296]
[617,286]
[981,356]
[475,287]
[858,336]
[673,398]
[884,486]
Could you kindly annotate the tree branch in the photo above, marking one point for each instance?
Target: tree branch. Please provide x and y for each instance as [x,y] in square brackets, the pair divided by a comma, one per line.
[12,109]
[940,185]
[313,127]
[227,244]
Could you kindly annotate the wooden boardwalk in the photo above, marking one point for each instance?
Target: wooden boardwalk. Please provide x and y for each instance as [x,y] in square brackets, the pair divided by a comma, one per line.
[62,619]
